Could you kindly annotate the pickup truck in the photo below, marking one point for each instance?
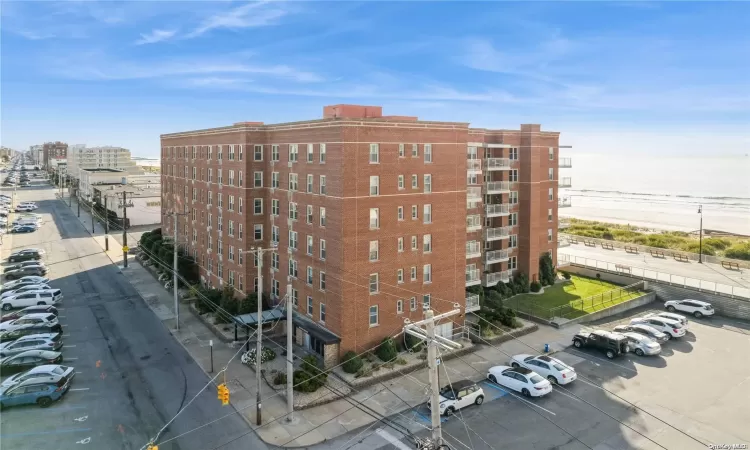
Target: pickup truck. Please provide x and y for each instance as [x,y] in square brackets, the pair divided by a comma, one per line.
[612,344]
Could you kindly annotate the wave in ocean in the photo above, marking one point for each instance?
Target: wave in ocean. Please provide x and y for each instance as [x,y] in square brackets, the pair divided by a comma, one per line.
[644,194]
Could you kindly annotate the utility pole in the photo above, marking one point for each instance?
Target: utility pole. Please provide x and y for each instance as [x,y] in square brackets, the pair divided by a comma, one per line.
[124,228]
[78,198]
[175,264]
[428,335]
[106,225]
[289,356]
[700,236]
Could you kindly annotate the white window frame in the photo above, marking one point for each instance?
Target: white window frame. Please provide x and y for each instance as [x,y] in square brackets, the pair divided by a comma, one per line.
[374,253]
[374,186]
[374,155]
[374,283]
[373,319]
[374,221]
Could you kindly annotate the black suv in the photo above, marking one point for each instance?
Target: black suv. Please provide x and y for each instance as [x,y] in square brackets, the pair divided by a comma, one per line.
[612,344]
[25,255]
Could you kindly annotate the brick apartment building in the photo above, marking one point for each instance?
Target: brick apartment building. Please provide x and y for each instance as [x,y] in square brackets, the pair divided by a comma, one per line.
[54,150]
[374,216]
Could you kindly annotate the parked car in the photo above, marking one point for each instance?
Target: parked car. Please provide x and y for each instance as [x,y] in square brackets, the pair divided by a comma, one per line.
[553,369]
[24,229]
[668,315]
[36,309]
[32,392]
[25,271]
[49,372]
[24,264]
[21,208]
[612,344]
[40,297]
[26,255]
[10,336]
[26,288]
[29,279]
[695,307]
[521,379]
[49,320]
[459,395]
[32,204]
[642,345]
[644,330]
[45,341]
[671,328]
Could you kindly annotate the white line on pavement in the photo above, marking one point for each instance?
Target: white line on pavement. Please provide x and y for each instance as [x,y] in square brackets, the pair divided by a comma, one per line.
[532,404]
[66,335]
[559,391]
[61,317]
[70,359]
[79,389]
[585,356]
[68,346]
[392,439]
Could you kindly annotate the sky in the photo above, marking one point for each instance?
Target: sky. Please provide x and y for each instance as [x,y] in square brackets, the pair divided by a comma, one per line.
[637,77]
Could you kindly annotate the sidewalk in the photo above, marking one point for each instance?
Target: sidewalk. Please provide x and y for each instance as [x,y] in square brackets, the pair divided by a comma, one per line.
[320,423]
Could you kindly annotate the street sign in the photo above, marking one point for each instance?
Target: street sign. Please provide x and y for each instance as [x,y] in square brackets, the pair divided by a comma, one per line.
[125,248]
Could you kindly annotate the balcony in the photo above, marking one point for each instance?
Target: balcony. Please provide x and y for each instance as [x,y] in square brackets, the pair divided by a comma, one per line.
[497,187]
[473,166]
[564,203]
[472,302]
[473,225]
[566,182]
[565,163]
[497,210]
[473,250]
[496,256]
[472,277]
[495,234]
[491,279]
[497,164]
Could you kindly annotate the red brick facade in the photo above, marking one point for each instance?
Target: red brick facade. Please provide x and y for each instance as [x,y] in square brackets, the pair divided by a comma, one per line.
[348,134]
[54,150]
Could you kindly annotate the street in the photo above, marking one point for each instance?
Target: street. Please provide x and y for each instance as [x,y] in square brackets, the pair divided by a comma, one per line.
[132,376]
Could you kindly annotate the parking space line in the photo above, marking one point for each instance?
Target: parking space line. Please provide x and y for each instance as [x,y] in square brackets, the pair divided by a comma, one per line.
[585,356]
[66,335]
[69,346]
[567,395]
[44,433]
[532,404]
[70,359]
[79,389]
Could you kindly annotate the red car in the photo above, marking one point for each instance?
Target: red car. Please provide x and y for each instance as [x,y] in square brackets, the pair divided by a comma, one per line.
[29,310]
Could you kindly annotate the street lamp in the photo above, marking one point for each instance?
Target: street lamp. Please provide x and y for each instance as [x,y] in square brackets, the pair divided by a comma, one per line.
[700,236]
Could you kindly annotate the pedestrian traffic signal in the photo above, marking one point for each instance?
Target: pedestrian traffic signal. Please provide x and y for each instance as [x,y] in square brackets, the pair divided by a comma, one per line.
[223,394]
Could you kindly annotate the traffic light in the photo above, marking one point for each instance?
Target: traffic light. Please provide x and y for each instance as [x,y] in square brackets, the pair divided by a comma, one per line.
[152,447]
[223,394]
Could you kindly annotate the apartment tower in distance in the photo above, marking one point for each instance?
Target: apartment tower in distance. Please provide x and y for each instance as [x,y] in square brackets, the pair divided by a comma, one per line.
[373,217]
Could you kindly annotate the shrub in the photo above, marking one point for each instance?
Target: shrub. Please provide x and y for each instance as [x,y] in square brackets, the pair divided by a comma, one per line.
[309,377]
[608,235]
[401,361]
[375,367]
[413,343]
[352,362]
[566,275]
[248,305]
[266,354]
[546,270]
[279,378]
[520,284]
[387,350]
[363,372]
[739,251]
[535,286]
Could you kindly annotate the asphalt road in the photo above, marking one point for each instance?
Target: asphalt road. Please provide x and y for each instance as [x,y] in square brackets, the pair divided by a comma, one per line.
[132,376]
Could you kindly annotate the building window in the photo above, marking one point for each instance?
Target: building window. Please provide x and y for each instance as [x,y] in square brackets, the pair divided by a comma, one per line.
[427,214]
[428,153]
[210,152]
[210,175]
[258,231]
[322,281]
[374,185]
[374,153]
[239,231]
[310,153]
[309,214]
[414,212]
[549,215]
[549,234]
[374,283]
[231,228]
[275,234]
[231,203]
[292,210]
[323,185]
[413,273]
[231,252]
[322,156]
[373,315]
[400,276]
[309,306]
[257,206]
[275,260]
[293,239]
[551,151]
[293,181]
[550,174]
[293,268]
[513,198]
[275,180]
[513,241]
[400,244]
[310,245]
[309,184]
[239,179]
[414,243]
[293,152]
[231,152]
[374,218]
[274,207]
[323,312]
[426,301]
[513,263]
[322,216]
[400,213]
[414,182]
[323,249]
[413,303]
[220,198]
[374,253]
[427,184]
[414,150]
[240,151]
[427,273]
[401,152]
[258,179]
[219,177]
[513,219]
[550,194]
[400,182]
[427,243]
[274,152]
[513,154]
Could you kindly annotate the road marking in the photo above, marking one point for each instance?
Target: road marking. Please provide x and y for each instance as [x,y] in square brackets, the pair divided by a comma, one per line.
[62,317]
[393,440]
[84,441]
[78,373]
[44,433]
[66,335]
[79,389]
[70,359]
[585,356]
[567,395]
[81,419]
[69,346]
[532,404]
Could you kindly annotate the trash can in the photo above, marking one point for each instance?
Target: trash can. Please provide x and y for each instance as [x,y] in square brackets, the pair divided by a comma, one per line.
[546,348]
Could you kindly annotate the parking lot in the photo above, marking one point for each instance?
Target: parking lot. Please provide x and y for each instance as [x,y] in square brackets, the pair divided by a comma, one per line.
[694,394]
[131,375]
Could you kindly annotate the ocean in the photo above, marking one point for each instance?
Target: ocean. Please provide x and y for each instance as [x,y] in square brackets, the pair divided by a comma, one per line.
[661,192]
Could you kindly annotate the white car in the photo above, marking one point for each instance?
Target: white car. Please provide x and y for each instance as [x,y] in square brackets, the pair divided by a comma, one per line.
[50,372]
[644,330]
[31,298]
[525,381]
[30,287]
[26,279]
[642,345]
[695,307]
[46,319]
[668,315]
[458,395]
[671,328]
[32,204]
[553,369]
[20,208]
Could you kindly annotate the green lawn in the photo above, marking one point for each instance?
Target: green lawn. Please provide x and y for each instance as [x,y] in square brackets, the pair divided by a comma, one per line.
[577,297]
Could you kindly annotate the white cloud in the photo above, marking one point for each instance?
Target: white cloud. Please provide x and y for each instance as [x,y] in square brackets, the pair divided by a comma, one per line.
[250,15]
[155,36]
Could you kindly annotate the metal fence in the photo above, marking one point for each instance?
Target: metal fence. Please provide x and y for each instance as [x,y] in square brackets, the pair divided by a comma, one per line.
[580,307]
[662,277]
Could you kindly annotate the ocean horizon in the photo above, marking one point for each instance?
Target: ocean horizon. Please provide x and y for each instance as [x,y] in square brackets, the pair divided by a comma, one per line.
[661,192]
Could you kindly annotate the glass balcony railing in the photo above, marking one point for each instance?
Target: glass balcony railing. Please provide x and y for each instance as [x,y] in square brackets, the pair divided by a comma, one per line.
[473,250]
[495,256]
[497,210]
[473,165]
[564,203]
[497,164]
[494,234]
[565,163]
[472,277]
[497,187]
[491,279]
[566,182]
[472,302]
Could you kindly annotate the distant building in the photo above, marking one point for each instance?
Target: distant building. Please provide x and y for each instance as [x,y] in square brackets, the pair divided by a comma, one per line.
[52,152]
[90,178]
[82,157]
[144,202]
[37,152]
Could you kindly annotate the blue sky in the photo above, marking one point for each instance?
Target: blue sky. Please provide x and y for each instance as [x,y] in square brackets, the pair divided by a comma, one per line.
[640,77]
